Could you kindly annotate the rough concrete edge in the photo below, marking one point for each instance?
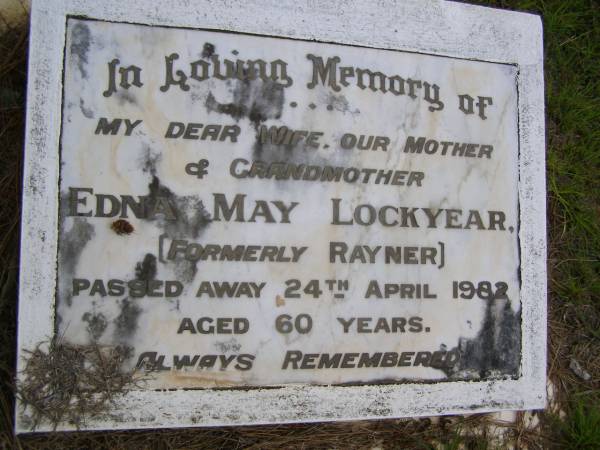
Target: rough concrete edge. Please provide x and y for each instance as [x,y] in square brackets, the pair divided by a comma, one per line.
[532,199]
[40,183]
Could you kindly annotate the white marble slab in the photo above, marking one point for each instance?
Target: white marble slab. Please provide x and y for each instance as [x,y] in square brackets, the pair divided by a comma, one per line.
[223,258]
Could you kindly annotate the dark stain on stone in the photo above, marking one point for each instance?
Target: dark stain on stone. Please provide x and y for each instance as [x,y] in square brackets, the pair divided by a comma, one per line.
[191,218]
[339,103]
[186,270]
[231,109]
[126,322]
[33,184]
[71,244]
[97,324]
[255,99]
[124,96]
[88,113]
[146,269]
[80,46]
[208,50]
[300,153]
[191,215]
[496,350]
[150,160]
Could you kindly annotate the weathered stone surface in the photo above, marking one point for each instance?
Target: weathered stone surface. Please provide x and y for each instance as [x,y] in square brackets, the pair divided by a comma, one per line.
[374,191]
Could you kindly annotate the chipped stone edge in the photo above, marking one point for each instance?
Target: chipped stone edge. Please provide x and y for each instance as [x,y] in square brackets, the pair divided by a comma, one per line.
[433,27]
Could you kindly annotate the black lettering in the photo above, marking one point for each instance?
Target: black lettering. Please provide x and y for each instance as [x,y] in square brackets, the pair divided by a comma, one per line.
[222,207]
[79,284]
[348,360]
[367,360]
[292,357]
[75,200]
[244,362]
[326,73]
[346,323]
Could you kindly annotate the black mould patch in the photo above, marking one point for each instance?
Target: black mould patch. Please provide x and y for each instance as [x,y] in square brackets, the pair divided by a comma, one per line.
[126,322]
[269,152]
[185,270]
[300,153]
[208,50]
[190,214]
[88,113]
[231,109]
[496,350]
[191,218]
[71,245]
[146,269]
[97,324]
[80,46]
[125,97]
[256,100]
[149,160]
[340,103]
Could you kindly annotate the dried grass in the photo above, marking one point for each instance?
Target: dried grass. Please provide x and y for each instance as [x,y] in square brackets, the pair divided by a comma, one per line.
[69,383]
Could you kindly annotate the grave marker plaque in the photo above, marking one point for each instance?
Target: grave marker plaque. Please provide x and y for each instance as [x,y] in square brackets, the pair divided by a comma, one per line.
[289,212]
